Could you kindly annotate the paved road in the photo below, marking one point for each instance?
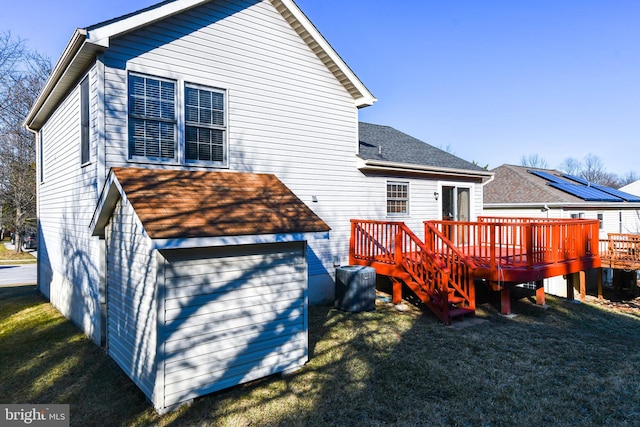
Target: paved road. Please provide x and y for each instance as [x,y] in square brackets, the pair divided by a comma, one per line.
[18,274]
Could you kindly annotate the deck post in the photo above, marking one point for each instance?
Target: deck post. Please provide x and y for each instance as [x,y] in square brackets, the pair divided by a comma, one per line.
[582,276]
[600,271]
[396,294]
[505,300]
[570,281]
[540,292]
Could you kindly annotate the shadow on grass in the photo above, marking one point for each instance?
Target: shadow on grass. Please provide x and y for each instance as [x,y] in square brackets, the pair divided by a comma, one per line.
[569,364]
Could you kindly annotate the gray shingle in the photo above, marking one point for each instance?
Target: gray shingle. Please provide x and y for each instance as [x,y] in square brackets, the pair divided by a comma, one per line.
[387,144]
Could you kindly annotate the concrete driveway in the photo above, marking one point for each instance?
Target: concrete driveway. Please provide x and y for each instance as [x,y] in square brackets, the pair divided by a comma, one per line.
[14,274]
[18,274]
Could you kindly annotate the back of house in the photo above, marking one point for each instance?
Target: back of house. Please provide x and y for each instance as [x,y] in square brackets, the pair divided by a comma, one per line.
[236,87]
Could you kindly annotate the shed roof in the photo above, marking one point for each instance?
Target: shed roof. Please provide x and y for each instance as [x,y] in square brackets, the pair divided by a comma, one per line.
[383,145]
[178,204]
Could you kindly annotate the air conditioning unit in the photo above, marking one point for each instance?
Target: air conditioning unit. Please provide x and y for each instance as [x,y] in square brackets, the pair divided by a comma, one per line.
[355,288]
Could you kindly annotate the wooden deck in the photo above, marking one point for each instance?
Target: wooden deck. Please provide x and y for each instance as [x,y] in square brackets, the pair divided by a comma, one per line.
[442,269]
[519,250]
[620,251]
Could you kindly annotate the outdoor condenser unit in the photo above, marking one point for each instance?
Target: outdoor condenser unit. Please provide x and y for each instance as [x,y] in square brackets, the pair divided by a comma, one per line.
[355,288]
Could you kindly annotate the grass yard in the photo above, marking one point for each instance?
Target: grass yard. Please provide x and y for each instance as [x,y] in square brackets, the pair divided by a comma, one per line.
[9,256]
[571,364]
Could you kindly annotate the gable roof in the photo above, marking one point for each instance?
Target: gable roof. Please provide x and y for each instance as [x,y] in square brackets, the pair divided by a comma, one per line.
[87,43]
[181,204]
[522,185]
[383,146]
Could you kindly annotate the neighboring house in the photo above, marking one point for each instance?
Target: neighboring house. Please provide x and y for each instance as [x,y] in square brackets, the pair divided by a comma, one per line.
[520,191]
[198,167]
[633,188]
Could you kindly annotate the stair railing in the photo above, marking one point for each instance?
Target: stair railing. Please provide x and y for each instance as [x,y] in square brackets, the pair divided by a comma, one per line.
[460,266]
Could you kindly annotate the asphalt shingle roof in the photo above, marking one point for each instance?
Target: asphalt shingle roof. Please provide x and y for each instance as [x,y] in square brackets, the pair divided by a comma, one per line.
[183,204]
[384,143]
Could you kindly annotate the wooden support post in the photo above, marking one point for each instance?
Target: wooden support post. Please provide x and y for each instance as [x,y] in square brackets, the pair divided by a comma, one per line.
[540,292]
[570,280]
[505,300]
[582,276]
[600,271]
[396,297]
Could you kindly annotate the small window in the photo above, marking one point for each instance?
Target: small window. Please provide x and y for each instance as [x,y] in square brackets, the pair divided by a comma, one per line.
[397,198]
[205,136]
[152,118]
[41,154]
[601,219]
[84,121]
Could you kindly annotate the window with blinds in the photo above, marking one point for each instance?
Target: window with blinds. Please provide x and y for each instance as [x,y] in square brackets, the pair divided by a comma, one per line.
[152,118]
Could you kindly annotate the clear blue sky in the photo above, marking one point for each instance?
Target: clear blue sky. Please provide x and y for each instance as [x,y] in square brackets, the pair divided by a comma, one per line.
[492,80]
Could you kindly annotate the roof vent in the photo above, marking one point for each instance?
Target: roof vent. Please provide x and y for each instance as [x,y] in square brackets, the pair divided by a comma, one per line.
[380,150]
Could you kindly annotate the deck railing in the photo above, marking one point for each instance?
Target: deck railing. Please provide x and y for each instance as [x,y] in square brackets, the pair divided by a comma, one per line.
[394,244]
[520,242]
[620,250]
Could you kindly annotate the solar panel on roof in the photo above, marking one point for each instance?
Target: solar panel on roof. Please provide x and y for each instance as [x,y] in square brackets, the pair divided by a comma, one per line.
[621,194]
[589,194]
[576,179]
[547,176]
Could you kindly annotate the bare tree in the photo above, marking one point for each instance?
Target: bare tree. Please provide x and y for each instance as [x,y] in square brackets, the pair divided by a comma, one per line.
[571,166]
[628,178]
[22,75]
[534,161]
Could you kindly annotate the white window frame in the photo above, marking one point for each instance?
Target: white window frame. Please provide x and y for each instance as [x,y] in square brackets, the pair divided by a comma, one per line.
[406,199]
[85,122]
[215,127]
[180,123]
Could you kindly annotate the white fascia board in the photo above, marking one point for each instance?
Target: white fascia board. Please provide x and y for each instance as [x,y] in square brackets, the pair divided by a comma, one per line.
[68,55]
[202,242]
[321,47]
[111,193]
[101,34]
[376,165]
[566,205]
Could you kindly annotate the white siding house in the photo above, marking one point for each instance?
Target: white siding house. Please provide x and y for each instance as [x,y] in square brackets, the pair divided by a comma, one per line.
[218,86]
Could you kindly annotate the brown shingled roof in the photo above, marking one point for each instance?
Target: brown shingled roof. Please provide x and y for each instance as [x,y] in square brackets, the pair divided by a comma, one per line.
[183,204]
[514,184]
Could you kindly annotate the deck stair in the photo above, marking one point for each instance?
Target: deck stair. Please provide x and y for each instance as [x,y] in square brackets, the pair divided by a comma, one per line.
[503,252]
[443,281]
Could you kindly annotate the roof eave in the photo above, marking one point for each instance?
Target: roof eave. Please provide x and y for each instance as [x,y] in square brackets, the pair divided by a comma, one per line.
[377,166]
[76,56]
[319,45]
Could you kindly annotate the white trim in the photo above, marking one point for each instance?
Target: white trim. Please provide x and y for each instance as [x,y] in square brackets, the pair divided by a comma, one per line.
[101,34]
[377,165]
[202,242]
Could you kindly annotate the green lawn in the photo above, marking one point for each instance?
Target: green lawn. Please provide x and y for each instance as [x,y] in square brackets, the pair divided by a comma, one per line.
[8,256]
[571,364]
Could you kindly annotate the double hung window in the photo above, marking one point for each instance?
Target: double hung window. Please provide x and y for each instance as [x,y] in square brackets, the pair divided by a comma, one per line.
[175,122]
[205,124]
[152,118]
[397,198]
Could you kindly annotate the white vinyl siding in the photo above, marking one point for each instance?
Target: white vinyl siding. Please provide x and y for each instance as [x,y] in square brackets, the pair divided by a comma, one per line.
[232,315]
[68,255]
[131,298]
